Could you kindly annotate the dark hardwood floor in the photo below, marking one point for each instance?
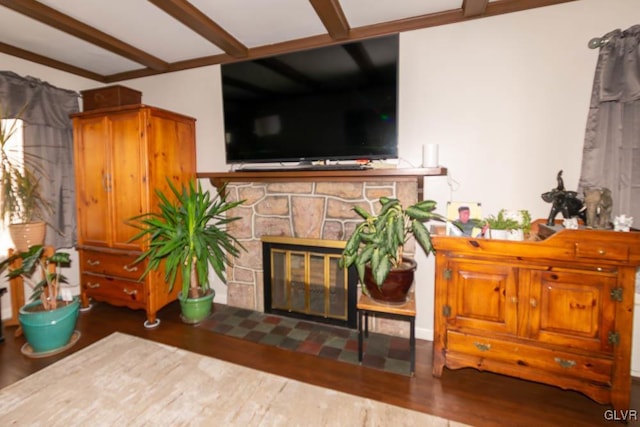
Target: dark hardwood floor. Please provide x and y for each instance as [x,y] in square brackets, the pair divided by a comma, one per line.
[466,395]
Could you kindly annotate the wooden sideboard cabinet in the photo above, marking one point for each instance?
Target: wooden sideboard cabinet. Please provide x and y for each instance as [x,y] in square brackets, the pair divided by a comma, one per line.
[557,311]
[122,155]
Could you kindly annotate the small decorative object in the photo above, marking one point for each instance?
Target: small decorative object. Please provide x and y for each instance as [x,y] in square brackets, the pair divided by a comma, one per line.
[622,223]
[570,223]
[564,202]
[509,224]
[464,219]
[598,204]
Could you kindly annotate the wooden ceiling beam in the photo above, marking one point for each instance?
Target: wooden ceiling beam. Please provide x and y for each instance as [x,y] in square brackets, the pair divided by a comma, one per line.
[474,7]
[332,17]
[62,22]
[39,59]
[197,21]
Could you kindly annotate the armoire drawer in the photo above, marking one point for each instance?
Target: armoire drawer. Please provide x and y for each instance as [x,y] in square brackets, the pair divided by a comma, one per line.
[532,356]
[108,288]
[112,264]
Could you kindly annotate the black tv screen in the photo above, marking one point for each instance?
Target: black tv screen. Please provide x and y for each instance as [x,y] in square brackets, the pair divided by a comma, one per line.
[332,103]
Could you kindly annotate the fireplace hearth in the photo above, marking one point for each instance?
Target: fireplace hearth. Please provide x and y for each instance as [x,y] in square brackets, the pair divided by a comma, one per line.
[302,279]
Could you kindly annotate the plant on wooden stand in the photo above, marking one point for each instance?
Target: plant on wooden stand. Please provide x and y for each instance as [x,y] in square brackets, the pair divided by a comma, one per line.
[22,203]
[377,244]
[187,236]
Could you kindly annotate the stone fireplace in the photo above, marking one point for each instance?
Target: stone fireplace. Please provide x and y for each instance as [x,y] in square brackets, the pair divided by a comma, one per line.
[306,206]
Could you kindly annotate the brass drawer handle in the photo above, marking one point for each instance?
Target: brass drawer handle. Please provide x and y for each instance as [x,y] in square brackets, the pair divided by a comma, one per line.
[565,363]
[91,285]
[533,302]
[128,292]
[127,268]
[93,263]
[482,347]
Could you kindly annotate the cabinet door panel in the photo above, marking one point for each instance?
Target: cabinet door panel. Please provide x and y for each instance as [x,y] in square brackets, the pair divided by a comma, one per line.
[92,180]
[128,188]
[483,296]
[573,308]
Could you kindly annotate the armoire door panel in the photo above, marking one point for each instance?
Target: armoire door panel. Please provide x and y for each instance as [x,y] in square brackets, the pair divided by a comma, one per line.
[92,160]
[128,185]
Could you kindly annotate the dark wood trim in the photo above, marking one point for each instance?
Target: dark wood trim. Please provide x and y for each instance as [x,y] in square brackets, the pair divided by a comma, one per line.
[327,10]
[193,18]
[219,179]
[332,16]
[62,22]
[474,7]
[39,59]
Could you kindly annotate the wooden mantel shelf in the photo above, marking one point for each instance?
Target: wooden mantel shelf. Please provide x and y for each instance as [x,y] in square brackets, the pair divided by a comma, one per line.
[218,179]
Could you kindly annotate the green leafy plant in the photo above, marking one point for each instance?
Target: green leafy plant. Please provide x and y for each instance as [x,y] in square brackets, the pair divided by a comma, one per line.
[380,239]
[510,220]
[189,235]
[46,284]
[21,200]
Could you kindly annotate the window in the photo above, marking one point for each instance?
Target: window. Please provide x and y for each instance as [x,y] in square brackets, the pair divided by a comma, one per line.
[13,148]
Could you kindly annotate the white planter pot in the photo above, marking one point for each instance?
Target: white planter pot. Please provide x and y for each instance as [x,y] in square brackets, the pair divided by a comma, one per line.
[507,234]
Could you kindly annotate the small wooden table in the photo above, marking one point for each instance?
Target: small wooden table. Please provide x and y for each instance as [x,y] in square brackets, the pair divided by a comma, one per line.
[407,311]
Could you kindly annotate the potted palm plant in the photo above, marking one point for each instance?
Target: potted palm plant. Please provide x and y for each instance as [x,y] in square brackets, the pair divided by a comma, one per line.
[377,244]
[48,320]
[187,236]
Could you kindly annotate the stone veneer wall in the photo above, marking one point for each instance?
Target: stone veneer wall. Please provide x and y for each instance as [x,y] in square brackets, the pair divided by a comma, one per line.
[315,210]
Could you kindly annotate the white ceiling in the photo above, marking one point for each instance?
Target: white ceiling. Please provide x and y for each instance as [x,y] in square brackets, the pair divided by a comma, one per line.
[106,39]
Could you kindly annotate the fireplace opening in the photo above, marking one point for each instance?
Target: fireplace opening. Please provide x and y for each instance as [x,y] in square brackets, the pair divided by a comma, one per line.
[302,279]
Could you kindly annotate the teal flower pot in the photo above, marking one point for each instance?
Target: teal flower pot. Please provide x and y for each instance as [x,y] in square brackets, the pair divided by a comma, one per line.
[195,310]
[46,331]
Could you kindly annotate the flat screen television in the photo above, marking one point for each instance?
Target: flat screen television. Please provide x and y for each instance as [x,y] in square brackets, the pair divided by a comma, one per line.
[332,103]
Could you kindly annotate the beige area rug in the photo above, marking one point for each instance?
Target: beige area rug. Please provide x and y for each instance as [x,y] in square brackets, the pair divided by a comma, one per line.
[128,381]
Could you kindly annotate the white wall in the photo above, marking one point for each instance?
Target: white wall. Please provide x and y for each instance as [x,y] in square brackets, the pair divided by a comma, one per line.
[504,97]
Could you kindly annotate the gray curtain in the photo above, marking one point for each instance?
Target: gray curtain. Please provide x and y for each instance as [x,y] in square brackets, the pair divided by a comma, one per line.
[48,135]
[611,154]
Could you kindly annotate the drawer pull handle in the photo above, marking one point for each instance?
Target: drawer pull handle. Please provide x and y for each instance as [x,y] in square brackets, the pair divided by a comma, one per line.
[482,347]
[127,268]
[533,302]
[91,285]
[514,300]
[602,252]
[128,292]
[565,363]
[92,263]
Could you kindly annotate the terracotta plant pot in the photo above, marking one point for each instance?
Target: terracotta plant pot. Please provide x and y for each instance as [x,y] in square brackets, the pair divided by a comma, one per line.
[396,287]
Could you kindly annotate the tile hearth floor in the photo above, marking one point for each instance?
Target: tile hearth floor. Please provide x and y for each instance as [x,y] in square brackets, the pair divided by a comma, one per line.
[381,351]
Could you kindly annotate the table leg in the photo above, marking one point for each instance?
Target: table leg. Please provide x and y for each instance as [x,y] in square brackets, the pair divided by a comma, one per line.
[412,344]
[360,326]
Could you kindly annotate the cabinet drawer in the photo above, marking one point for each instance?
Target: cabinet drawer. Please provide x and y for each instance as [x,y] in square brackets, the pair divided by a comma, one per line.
[109,264]
[113,290]
[530,356]
[610,251]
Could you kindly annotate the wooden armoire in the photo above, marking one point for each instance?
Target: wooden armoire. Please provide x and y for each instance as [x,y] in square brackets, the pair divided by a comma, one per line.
[122,156]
